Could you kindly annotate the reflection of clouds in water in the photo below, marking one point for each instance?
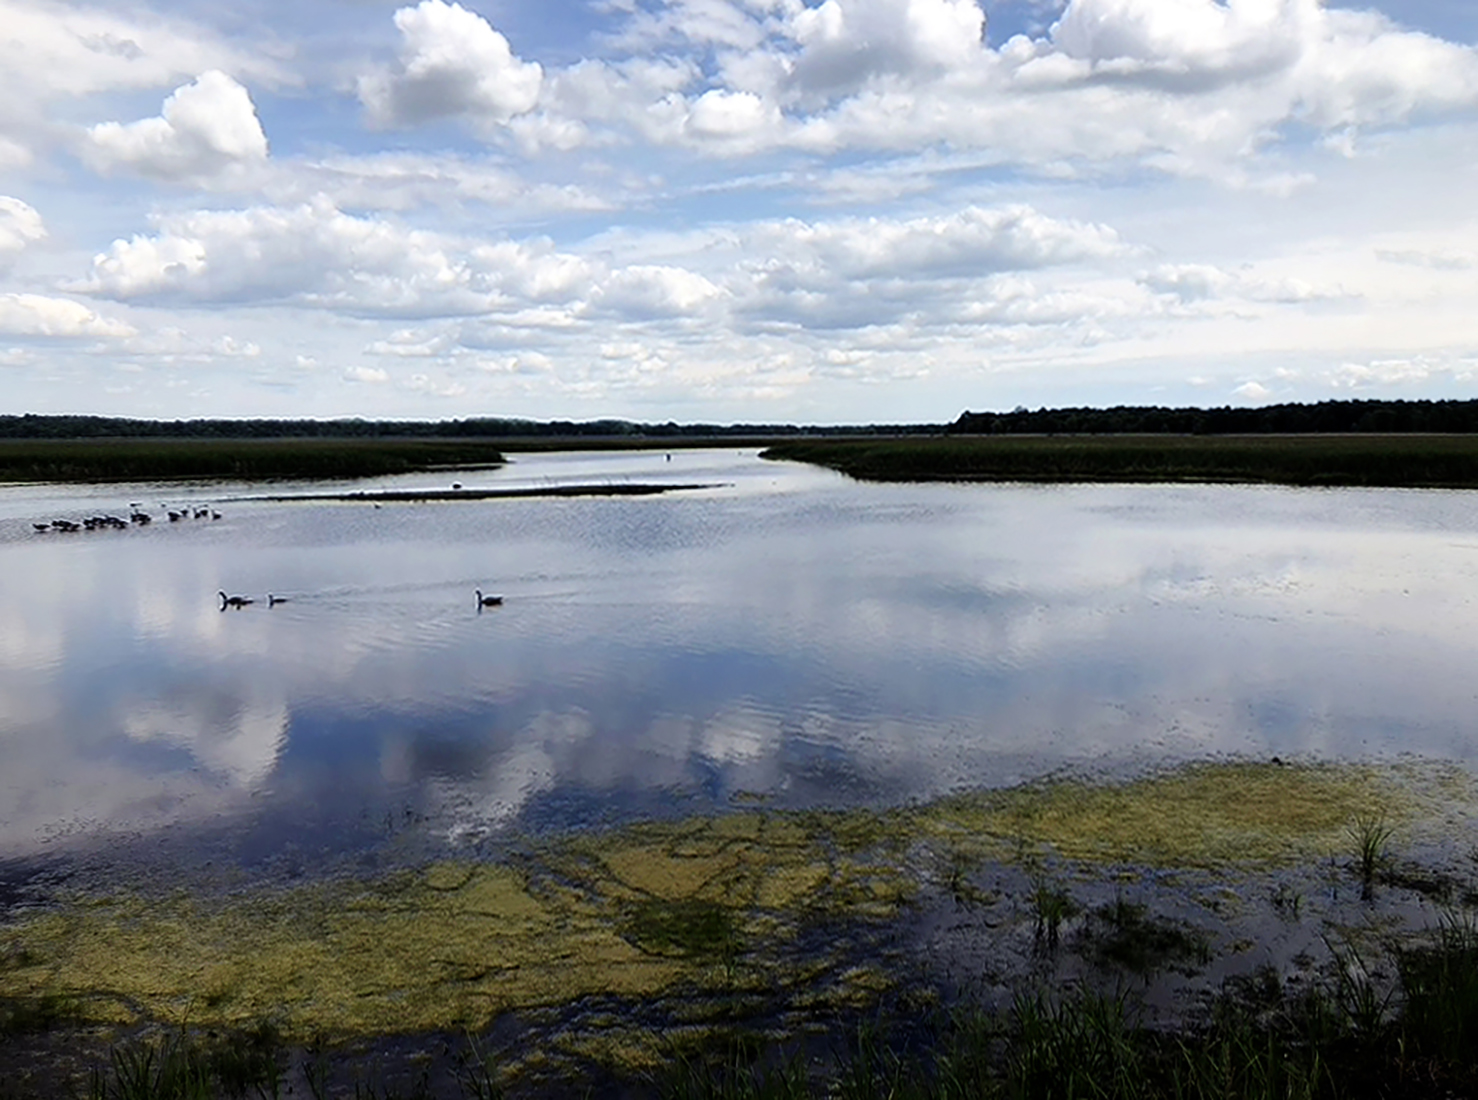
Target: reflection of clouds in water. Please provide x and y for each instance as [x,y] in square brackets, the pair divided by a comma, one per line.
[236,739]
[540,755]
[910,638]
[740,735]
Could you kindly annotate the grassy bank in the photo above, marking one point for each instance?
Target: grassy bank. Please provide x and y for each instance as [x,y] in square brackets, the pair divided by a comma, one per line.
[1436,461]
[105,460]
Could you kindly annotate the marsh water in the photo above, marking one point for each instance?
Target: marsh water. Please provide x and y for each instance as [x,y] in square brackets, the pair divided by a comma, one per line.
[789,637]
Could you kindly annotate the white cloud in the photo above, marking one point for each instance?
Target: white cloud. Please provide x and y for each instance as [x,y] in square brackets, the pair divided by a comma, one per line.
[206,127]
[1186,86]
[38,315]
[371,375]
[452,64]
[647,291]
[51,51]
[844,43]
[316,255]
[1253,391]
[1206,282]
[20,225]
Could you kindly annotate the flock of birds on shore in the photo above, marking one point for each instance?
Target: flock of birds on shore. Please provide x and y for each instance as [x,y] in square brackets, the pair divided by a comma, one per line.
[137,518]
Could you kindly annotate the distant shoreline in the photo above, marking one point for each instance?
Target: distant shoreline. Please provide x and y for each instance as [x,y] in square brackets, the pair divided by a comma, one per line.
[377,496]
[1407,461]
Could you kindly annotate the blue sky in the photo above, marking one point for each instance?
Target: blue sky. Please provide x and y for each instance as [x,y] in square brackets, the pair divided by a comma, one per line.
[765,210]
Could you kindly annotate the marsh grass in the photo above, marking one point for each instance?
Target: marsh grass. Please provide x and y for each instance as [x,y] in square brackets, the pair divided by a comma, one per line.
[1385,460]
[1372,836]
[1051,906]
[109,460]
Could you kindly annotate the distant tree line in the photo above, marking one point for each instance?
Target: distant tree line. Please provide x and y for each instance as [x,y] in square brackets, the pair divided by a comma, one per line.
[1321,417]
[32,426]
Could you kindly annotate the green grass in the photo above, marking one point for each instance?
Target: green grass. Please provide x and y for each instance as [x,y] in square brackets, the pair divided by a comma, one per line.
[1438,461]
[107,460]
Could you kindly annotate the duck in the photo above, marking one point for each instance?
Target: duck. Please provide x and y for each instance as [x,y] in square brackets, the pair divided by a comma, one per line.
[237,602]
[273,601]
[488,601]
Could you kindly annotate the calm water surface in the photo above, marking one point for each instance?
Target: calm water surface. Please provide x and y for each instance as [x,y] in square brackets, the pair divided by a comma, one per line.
[791,635]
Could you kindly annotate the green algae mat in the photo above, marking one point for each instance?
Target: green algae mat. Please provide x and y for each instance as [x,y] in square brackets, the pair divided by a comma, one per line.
[761,903]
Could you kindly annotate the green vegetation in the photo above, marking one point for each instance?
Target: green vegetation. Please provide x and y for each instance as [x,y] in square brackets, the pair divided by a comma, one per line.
[146,459]
[717,956]
[1436,461]
[1371,835]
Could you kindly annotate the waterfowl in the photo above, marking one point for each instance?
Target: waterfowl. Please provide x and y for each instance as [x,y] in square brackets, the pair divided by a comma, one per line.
[488,601]
[273,601]
[42,526]
[237,602]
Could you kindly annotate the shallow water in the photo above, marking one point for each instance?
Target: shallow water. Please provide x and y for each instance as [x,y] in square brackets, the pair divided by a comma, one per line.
[791,636]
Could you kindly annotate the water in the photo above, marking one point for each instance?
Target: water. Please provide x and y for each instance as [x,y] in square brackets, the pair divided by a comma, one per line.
[791,636]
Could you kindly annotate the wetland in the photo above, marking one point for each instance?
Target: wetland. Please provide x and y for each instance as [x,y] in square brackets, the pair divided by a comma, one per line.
[779,785]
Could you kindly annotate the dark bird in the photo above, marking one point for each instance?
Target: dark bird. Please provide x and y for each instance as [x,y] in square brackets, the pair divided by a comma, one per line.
[237,602]
[273,601]
[42,526]
[488,601]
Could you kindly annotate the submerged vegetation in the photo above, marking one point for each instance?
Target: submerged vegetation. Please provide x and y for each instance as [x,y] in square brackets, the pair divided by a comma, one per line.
[775,953]
[1436,461]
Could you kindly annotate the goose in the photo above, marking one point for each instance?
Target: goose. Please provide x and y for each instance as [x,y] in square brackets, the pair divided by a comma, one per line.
[237,602]
[42,526]
[273,601]
[488,601]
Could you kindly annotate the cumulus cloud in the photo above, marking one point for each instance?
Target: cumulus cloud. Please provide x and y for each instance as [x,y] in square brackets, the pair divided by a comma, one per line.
[1206,282]
[1185,86]
[845,272]
[206,127]
[50,51]
[39,315]
[371,375]
[452,64]
[316,255]
[654,290]
[844,43]
[20,225]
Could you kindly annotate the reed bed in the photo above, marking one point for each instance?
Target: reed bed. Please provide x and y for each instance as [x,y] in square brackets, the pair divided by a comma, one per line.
[110,460]
[1421,461]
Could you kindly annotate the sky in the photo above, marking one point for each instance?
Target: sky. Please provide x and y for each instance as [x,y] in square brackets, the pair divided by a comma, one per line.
[846,211]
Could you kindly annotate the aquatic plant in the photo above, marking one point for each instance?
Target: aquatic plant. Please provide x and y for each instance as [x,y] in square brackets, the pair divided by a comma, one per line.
[1051,905]
[1371,835]
[1124,934]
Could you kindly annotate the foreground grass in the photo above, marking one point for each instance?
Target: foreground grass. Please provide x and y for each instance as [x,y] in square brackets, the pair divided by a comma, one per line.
[107,460]
[1259,1040]
[1435,461]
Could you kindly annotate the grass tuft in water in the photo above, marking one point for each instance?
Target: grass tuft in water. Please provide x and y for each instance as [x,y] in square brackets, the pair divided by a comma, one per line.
[1123,934]
[1372,837]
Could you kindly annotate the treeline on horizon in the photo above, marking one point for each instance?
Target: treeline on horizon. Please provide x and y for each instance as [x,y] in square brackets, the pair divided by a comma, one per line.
[1324,417]
[34,426]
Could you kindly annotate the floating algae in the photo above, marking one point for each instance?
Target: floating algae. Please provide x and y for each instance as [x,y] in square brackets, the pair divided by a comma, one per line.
[753,905]
[1196,816]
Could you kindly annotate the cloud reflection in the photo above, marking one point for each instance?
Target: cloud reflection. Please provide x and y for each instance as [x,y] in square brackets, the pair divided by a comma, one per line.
[837,643]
